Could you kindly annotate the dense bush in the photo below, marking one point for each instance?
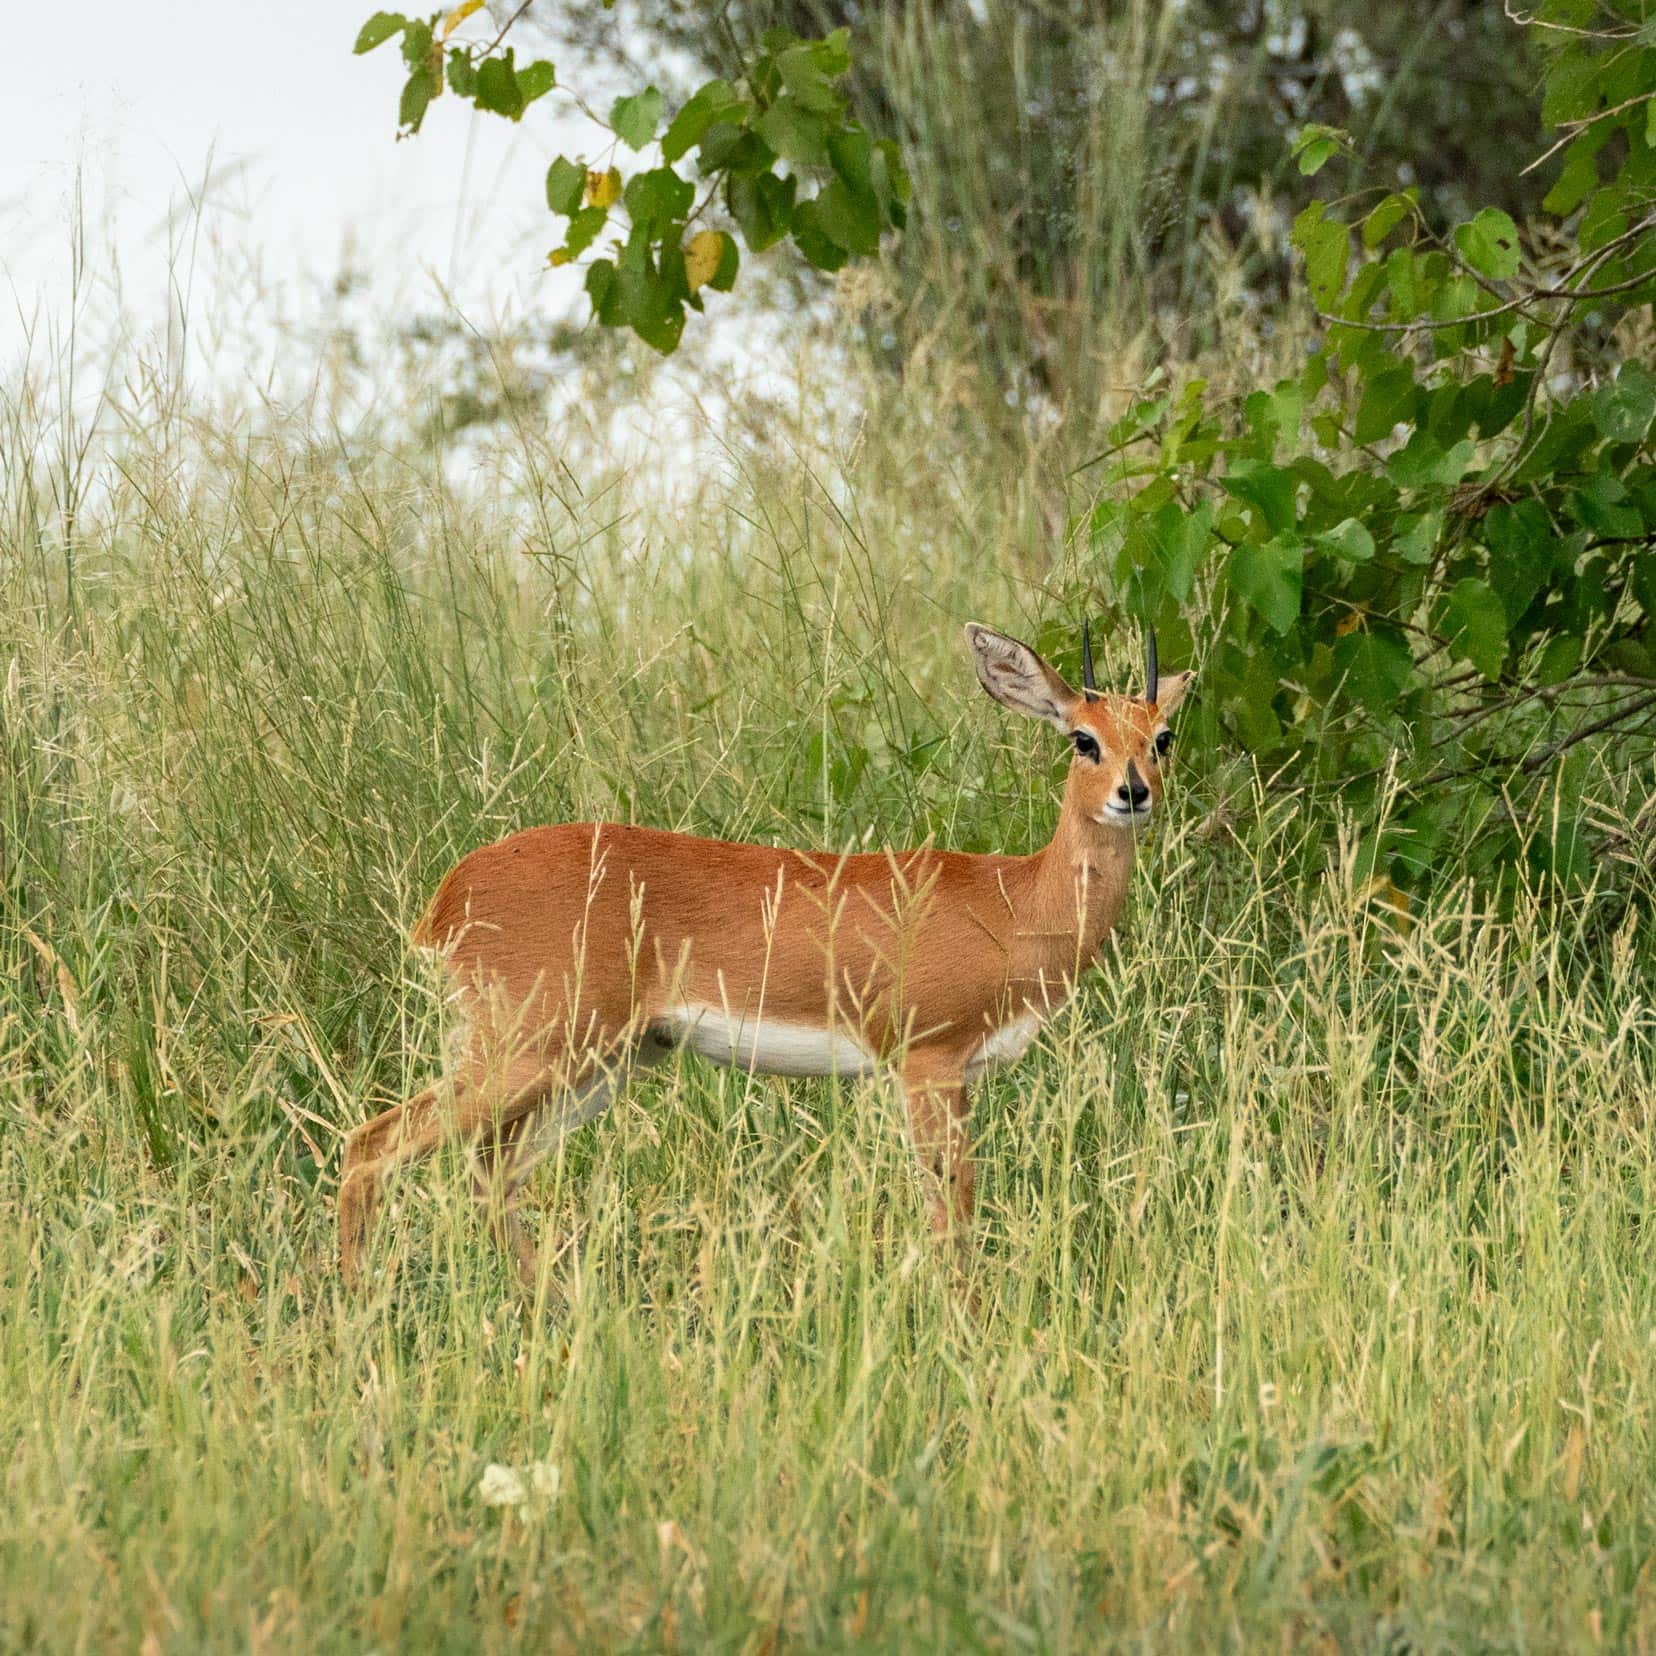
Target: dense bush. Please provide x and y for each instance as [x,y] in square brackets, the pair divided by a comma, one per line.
[1431,551]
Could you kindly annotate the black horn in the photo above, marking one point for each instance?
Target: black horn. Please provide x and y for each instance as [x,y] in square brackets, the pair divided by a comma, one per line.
[1086,660]
[1151,676]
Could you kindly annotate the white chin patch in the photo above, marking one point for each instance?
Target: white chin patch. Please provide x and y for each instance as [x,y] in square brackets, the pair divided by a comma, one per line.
[1112,817]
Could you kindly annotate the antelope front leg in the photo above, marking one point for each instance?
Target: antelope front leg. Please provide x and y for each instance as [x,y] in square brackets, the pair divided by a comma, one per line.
[935,1094]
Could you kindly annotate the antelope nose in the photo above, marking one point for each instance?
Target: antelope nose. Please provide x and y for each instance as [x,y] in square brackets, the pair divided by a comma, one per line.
[1132,793]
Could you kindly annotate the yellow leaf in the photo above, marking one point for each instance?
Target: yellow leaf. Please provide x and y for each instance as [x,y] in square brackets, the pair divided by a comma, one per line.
[458,16]
[1348,623]
[603,189]
[1391,899]
[65,983]
[702,254]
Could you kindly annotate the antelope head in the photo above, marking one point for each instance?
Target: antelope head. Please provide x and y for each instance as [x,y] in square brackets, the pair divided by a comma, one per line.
[1123,746]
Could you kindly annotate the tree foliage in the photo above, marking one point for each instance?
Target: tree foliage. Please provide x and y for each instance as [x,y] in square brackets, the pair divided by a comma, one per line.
[773,153]
[1433,548]
[1092,173]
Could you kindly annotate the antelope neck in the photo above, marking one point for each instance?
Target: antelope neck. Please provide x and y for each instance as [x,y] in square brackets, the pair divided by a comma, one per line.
[1088,858]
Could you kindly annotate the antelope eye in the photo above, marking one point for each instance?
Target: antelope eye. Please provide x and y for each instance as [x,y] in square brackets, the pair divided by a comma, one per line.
[1164,742]
[1087,747]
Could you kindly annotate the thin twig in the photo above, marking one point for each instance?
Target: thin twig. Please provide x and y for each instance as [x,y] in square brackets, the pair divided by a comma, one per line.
[1573,295]
[1469,718]
[1626,711]
[1529,20]
[1574,129]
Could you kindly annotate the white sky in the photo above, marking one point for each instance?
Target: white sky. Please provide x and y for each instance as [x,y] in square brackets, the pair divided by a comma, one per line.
[127,103]
[231,291]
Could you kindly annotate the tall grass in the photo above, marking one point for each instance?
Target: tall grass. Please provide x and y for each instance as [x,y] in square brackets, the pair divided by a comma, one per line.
[1316,1286]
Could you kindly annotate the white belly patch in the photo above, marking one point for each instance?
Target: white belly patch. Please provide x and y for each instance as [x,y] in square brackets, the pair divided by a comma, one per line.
[1005,1045]
[763,1045]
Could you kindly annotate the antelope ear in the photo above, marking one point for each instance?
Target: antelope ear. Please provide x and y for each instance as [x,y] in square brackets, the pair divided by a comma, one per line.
[1017,678]
[1171,691]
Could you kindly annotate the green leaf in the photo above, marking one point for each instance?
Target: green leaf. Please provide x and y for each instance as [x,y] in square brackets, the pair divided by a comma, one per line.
[662,332]
[818,247]
[1405,287]
[715,101]
[1475,625]
[1604,506]
[888,180]
[1348,540]
[535,80]
[634,119]
[1572,86]
[416,44]
[657,198]
[1388,401]
[583,231]
[1415,536]
[1177,541]
[810,69]
[1423,462]
[1580,174]
[1624,409]
[1274,416]
[724,278]
[648,299]
[1562,849]
[1269,489]
[1268,578]
[417,94]
[1521,552]
[851,155]
[1314,144]
[728,147]
[1154,495]
[762,204]
[1374,667]
[565,185]
[603,289]
[1644,584]
[1456,297]
[796,133]
[1161,550]
[1324,243]
[1560,658]
[1385,218]
[1489,244]
[462,76]
[497,86]
[378,29]
[849,220]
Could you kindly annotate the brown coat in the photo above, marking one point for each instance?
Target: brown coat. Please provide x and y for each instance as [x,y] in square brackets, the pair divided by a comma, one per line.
[581,950]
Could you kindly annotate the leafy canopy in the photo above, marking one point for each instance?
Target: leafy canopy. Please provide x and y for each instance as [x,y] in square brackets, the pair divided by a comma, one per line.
[772,155]
[1434,550]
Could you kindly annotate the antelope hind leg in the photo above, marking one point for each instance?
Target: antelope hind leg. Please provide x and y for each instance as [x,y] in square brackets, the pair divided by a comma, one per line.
[524,1141]
[410,1132]
[404,1132]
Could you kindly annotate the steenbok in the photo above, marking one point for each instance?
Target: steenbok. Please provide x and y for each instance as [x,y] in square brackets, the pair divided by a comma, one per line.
[582,952]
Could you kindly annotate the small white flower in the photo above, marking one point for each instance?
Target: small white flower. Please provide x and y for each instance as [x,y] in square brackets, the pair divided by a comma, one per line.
[501,1486]
[519,1487]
